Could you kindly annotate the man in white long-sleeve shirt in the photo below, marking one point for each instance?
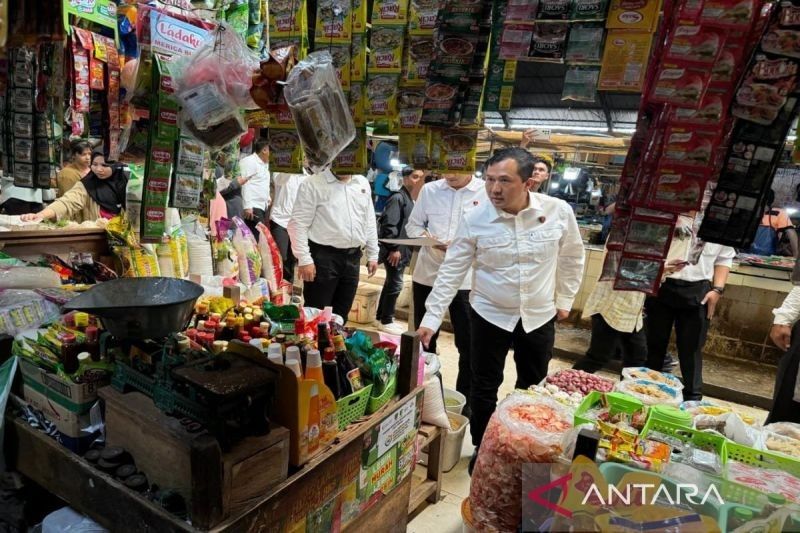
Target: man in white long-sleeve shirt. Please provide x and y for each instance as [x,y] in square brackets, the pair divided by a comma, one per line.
[286,188]
[528,262]
[255,191]
[332,220]
[784,333]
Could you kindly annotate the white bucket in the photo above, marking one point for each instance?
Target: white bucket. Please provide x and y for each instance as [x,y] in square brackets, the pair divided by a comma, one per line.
[454,440]
[454,401]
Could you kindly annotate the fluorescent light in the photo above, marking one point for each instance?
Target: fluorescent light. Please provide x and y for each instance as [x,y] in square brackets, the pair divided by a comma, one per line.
[572,173]
[554,185]
[791,210]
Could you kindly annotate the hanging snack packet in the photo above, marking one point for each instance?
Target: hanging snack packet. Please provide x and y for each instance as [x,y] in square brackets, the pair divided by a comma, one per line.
[650,237]
[580,84]
[247,252]
[271,262]
[677,190]
[638,273]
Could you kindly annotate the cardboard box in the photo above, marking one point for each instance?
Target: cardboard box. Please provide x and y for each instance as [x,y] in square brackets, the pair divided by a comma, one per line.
[76,397]
[68,422]
[365,305]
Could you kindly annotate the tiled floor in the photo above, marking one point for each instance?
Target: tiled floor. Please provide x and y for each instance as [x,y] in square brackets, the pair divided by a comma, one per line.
[445,516]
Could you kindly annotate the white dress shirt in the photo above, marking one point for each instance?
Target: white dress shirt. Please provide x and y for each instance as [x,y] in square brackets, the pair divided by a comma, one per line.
[255,192]
[713,255]
[789,311]
[526,265]
[286,189]
[437,211]
[333,213]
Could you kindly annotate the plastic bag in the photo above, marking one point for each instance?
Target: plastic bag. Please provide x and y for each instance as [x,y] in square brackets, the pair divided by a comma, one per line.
[67,520]
[787,429]
[247,252]
[523,429]
[642,372]
[320,110]
[21,310]
[650,392]
[271,261]
[28,277]
[226,260]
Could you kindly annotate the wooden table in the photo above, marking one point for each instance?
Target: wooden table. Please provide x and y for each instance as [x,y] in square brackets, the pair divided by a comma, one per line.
[302,498]
[30,244]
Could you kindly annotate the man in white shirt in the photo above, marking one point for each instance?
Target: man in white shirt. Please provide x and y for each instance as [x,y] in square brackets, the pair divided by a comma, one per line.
[286,188]
[332,220]
[784,333]
[687,300]
[255,191]
[436,213]
[528,262]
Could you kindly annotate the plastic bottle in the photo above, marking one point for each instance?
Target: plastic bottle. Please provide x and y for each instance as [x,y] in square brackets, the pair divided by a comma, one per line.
[313,420]
[294,366]
[328,414]
[740,516]
[229,331]
[93,342]
[275,353]
[201,312]
[323,337]
[330,370]
[69,353]
[81,320]
[293,352]
[775,501]
[256,343]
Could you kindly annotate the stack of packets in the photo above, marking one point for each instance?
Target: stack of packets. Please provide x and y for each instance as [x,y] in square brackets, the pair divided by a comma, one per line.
[622,445]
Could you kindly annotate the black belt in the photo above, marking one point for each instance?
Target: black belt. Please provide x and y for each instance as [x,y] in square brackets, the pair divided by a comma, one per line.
[684,283]
[333,250]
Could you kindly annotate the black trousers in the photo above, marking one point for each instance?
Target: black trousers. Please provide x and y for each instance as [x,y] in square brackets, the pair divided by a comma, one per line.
[13,206]
[784,408]
[462,331]
[281,237]
[392,287]
[259,215]
[678,304]
[605,342]
[490,345]
[336,281]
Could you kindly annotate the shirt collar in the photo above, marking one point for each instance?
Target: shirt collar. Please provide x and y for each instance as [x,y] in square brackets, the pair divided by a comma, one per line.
[534,204]
[330,177]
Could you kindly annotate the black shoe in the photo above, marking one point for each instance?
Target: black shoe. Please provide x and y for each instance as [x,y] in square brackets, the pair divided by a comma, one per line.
[472,462]
[669,364]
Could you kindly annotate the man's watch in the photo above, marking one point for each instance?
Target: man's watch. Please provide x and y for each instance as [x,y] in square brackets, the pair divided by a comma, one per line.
[718,290]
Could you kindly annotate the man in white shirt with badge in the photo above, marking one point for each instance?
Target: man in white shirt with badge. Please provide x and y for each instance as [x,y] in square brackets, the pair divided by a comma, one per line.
[436,213]
[286,188]
[528,263]
[255,191]
[332,220]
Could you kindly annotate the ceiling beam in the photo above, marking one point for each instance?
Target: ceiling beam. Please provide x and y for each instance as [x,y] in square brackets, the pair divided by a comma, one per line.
[606,111]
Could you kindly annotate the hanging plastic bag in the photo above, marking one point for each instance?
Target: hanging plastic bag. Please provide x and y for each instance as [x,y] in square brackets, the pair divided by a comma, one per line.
[320,110]
[271,262]
[226,260]
[246,249]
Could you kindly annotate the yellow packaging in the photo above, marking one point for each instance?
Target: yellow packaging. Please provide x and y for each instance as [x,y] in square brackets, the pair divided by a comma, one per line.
[256,118]
[341,62]
[353,159]
[285,151]
[358,58]
[415,148]
[359,16]
[633,15]
[281,120]
[334,22]
[417,61]
[386,12]
[386,48]
[381,96]
[625,57]
[355,97]
[506,94]
[137,261]
[456,149]
[285,17]
[422,16]
[510,72]
[409,109]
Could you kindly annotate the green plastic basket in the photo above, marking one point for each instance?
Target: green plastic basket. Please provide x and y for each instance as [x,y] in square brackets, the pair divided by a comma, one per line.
[352,407]
[377,402]
[618,402]
[667,416]
[763,458]
[698,439]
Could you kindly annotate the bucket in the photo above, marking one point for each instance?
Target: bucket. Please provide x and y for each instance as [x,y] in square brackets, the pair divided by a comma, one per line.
[453,441]
[454,401]
[466,516]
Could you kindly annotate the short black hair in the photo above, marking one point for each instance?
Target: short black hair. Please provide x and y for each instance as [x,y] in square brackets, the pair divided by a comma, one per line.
[259,144]
[543,161]
[78,146]
[524,159]
[407,171]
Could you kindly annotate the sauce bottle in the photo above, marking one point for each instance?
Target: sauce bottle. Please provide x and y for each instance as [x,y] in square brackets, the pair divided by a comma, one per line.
[740,516]
[81,320]
[201,312]
[330,371]
[69,353]
[275,353]
[775,501]
[93,342]
[313,420]
[229,331]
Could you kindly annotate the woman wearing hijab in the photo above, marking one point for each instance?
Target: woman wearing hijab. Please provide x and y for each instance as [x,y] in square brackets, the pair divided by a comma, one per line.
[101,194]
[80,152]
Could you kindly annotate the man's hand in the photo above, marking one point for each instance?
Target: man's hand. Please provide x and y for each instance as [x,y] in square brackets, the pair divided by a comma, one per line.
[393,258]
[561,314]
[781,335]
[528,137]
[372,267]
[248,214]
[307,272]
[425,335]
[711,299]
[32,217]
[442,247]
[676,265]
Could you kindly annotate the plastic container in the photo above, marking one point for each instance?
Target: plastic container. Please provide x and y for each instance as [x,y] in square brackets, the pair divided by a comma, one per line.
[456,402]
[352,407]
[762,458]
[667,414]
[699,439]
[454,440]
[376,403]
[618,402]
[727,510]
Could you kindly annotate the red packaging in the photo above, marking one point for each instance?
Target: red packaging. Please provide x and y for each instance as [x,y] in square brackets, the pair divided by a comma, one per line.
[710,112]
[680,84]
[80,78]
[689,11]
[649,236]
[729,63]
[619,226]
[515,41]
[638,273]
[728,14]
[677,190]
[694,45]
[764,90]
[690,147]
[610,265]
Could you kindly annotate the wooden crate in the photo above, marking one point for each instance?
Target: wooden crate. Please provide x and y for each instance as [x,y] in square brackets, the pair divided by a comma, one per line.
[215,484]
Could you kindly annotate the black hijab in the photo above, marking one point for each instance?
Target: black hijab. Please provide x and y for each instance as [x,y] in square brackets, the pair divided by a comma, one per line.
[108,193]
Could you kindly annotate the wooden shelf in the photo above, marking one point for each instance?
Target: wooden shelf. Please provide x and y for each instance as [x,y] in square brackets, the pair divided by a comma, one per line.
[421,489]
[428,432]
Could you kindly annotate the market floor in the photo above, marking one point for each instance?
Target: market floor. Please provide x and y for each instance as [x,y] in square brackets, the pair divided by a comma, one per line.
[445,516]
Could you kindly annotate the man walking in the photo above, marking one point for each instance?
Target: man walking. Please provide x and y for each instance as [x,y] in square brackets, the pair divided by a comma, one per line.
[255,190]
[286,189]
[437,212]
[394,257]
[528,257]
[332,220]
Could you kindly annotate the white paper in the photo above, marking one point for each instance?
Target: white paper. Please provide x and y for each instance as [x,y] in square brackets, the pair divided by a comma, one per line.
[396,426]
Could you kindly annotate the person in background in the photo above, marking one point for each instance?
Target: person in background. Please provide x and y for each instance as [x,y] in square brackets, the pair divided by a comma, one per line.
[381,190]
[332,220]
[229,189]
[395,258]
[18,200]
[784,333]
[608,215]
[780,227]
[80,157]
[686,301]
[437,212]
[286,187]
[528,256]
[101,194]
[256,188]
